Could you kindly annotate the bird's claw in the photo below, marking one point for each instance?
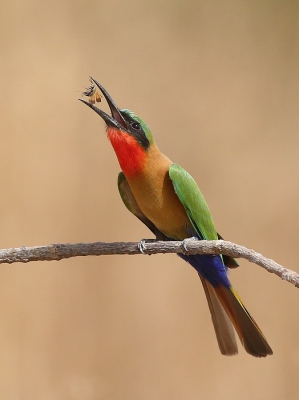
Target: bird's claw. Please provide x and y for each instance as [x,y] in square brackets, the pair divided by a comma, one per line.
[141,244]
[186,241]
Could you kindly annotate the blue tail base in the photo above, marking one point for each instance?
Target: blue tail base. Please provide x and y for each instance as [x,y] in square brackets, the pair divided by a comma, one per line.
[210,267]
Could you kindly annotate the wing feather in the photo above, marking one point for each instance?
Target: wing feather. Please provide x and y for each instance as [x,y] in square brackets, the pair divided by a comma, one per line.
[193,201]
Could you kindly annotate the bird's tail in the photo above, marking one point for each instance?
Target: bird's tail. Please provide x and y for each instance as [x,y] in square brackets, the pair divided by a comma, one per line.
[227,308]
[224,330]
[247,329]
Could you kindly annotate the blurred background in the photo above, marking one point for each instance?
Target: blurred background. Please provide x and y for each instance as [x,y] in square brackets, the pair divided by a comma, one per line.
[218,83]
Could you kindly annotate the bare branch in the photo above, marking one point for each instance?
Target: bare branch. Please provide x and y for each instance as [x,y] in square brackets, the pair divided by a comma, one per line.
[60,251]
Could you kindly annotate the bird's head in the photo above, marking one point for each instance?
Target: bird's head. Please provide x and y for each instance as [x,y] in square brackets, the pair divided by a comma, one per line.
[130,137]
[125,121]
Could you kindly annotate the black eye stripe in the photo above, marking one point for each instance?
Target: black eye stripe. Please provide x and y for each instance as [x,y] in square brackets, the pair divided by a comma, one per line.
[134,128]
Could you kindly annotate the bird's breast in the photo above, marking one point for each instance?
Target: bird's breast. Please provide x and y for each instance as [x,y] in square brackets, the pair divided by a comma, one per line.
[155,195]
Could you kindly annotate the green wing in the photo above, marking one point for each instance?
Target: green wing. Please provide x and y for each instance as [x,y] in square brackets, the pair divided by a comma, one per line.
[196,207]
[131,204]
[194,203]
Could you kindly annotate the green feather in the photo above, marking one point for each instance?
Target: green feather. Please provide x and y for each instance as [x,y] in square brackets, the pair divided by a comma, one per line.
[194,203]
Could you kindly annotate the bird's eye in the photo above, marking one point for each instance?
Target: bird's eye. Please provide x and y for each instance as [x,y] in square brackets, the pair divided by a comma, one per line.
[135,125]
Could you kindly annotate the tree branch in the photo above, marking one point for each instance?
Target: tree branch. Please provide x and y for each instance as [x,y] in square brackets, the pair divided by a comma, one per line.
[60,251]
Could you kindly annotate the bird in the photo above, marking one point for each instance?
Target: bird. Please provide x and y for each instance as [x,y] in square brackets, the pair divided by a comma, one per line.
[166,198]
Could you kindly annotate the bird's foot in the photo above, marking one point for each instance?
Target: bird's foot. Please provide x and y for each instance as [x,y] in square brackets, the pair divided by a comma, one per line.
[186,241]
[141,244]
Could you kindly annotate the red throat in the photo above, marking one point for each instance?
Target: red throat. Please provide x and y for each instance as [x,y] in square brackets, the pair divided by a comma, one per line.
[131,155]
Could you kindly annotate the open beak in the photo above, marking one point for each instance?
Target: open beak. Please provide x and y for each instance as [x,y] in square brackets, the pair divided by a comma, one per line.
[116,119]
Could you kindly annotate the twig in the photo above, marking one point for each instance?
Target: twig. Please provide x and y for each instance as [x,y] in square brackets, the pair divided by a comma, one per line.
[60,251]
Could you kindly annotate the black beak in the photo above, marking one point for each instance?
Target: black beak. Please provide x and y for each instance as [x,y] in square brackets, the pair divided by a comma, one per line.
[116,119]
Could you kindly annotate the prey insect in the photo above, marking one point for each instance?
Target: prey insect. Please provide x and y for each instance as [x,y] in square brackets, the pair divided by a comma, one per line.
[92,93]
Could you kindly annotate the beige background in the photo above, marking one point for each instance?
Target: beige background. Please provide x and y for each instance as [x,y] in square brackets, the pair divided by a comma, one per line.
[218,84]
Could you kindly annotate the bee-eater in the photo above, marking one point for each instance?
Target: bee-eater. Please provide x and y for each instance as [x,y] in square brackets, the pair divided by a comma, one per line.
[168,201]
